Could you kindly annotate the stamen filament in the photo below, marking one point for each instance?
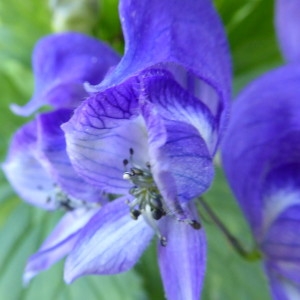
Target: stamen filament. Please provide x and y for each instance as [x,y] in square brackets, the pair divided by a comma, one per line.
[147,214]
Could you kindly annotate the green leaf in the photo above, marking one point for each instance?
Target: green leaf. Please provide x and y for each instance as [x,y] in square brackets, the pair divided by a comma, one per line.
[252,38]
[21,24]
[109,27]
[15,86]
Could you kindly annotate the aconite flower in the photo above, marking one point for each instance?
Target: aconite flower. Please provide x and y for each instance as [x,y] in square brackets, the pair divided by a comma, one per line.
[147,134]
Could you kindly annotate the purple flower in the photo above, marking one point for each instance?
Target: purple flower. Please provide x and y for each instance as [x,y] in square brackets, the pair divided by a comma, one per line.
[148,132]
[287,26]
[261,157]
[37,165]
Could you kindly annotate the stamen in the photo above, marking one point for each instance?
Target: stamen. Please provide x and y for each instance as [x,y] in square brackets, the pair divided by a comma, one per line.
[66,204]
[157,214]
[133,203]
[147,214]
[136,172]
[125,162]
[181,216]
[147,200]
[195,224]
[64,201]
[134,191]
[156,202]
[163,241]
[135,214]
[127,175]
[157,207]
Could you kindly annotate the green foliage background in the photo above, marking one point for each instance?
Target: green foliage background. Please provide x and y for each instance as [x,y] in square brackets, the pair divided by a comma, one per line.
[249,25]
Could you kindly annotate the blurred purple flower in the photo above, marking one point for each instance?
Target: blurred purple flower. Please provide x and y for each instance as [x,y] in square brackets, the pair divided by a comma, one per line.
[37,165]
[261,157]
[288,28]
[149,132]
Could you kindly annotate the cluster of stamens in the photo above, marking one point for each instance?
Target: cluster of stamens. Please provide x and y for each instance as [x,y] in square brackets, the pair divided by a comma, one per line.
[66,202]
[147,200]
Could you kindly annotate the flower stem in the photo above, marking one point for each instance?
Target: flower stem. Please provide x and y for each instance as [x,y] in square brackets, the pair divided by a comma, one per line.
[252,255]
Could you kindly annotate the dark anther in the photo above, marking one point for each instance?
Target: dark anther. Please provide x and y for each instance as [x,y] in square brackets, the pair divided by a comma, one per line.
[163,241]
[156,202]
[136,171]
[135,214]
[125,162]
[131,151]
[67,205]
[195,224]
[157,214]
[148,165]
